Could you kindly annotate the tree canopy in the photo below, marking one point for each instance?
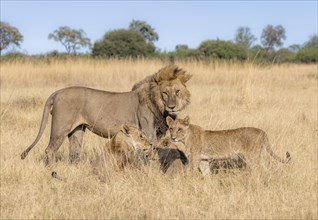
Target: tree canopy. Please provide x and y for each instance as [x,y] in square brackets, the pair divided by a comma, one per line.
[71,39]
[312,42]
[144,29]
[273,36]
[219,49]
[123,43]
[9,35]
[244,37]
[138,41]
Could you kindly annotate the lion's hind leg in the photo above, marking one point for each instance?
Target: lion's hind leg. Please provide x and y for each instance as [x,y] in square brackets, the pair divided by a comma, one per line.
[76,138]
[53,146]
[56,139]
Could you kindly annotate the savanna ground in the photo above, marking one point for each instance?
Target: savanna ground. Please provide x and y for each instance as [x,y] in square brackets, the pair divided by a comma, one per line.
[280,99]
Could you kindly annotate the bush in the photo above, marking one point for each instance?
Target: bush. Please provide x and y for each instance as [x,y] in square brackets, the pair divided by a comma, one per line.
[14,56]
[258,54]
[219,49]
[123,43]
[307,55]
[284,55]
[58,55]
[182,52]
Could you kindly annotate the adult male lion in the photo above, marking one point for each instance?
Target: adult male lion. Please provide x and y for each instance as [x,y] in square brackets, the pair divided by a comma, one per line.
[74,109]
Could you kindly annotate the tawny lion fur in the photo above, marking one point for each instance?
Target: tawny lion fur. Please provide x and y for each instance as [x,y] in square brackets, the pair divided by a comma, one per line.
[74,109]
[214,165]
[129,147]
[248,141]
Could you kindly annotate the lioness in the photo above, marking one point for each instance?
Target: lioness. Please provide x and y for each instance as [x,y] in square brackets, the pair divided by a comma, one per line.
[248,141]
[76,108]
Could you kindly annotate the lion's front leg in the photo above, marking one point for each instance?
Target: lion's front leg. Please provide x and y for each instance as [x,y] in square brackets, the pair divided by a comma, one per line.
[147,125]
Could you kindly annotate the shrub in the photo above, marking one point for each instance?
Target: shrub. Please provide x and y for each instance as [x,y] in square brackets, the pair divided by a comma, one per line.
[219,49]
[183,52]
[258,54]
[284,55]
[307,55]
[123,43]
[14,56]
[58,55]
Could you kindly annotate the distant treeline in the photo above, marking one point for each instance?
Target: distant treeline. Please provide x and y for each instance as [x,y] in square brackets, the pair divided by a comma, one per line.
[137,41]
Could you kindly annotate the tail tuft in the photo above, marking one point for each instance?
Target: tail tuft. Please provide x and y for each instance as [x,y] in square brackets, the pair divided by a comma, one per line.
[23,155]
[287,156]
[54,174]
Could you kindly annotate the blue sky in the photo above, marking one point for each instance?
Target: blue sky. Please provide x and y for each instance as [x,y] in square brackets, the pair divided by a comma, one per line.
[176,22]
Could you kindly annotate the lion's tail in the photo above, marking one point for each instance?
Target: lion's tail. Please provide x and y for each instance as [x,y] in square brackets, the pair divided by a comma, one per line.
[45,117]
[56,176]
[270,151]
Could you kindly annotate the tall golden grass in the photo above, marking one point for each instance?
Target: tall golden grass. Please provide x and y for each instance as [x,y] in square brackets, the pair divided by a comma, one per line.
[280,99]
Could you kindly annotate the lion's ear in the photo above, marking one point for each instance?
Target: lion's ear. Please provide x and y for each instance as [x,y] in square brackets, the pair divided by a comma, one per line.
[186,120]
[125,129]
[157,78]
[184,78]
[169,120]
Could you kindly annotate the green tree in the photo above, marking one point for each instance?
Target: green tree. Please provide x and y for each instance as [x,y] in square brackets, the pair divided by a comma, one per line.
[273,36]
[182,47]
[258,54]
[71,39]
[9,35]
[295,48]
[307,55]
[123,43]
[312,42]
[284,55]
[182,51]
[144,29]
[219,49]
[244,37]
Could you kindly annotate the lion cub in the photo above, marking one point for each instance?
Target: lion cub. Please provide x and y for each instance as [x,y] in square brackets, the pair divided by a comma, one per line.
[248,141]
[129,147]
[171,156]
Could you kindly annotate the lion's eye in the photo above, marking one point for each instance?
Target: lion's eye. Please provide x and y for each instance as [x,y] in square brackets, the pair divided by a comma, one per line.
[179,130]
[178,92]
[165,94]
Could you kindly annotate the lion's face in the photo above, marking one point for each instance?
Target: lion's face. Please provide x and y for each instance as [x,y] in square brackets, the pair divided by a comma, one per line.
[174,96]
[164,93]
[136,138]
[178,128]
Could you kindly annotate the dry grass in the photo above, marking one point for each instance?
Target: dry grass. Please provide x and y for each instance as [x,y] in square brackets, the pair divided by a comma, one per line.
[282,100]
